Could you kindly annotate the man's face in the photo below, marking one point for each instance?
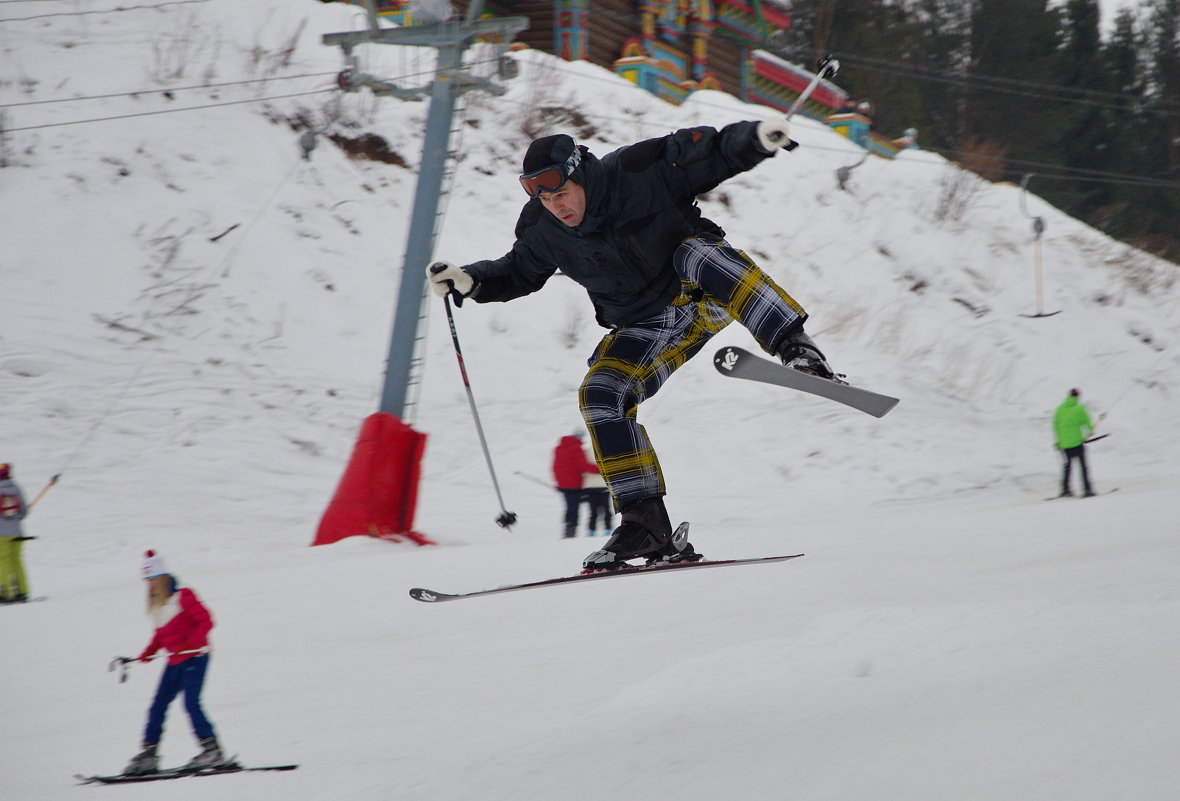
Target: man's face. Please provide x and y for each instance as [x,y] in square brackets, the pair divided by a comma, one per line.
[567,204]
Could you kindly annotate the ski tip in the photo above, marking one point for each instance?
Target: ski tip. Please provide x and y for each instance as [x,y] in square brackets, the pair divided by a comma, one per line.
[885,408]
[726,359]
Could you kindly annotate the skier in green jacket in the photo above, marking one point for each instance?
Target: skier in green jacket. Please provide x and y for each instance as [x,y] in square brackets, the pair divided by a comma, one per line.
[1071,426]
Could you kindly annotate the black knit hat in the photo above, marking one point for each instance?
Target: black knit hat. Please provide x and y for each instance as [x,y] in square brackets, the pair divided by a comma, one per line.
[547,151]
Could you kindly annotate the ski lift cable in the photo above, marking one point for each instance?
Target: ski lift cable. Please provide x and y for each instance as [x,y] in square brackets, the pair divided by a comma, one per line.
[104,416]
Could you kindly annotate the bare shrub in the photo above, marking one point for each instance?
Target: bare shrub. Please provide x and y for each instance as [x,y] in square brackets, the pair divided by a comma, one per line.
[174,51]
[978,311]
[544,119]
[985,159]
[1144,273]
[960,185]
[264,61]
[175,292]
[368,146]
[286,52]
[544,113]
[957,191]
[917,284]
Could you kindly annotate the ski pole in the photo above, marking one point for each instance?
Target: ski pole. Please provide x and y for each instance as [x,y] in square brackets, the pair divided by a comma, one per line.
[825,67]
[121,662]
[44,490]
[535,480]
[506,518]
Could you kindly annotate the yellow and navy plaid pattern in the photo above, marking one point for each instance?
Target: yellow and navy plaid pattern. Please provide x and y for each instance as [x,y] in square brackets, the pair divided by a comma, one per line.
[631,363]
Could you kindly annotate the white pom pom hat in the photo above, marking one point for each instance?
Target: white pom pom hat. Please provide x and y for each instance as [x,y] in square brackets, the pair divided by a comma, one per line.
[153,565]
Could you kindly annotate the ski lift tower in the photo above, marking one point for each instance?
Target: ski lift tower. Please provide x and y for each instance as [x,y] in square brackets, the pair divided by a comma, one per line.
[451,40]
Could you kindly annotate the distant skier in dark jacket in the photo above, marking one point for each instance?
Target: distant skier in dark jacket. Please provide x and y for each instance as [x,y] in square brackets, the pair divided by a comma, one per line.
[182,625]
[660,276]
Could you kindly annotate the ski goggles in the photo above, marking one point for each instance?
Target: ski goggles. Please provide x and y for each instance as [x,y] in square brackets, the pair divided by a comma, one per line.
[551,178]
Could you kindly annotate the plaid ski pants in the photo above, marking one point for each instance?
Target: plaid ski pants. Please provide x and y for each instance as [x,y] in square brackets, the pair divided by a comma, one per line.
[720,284]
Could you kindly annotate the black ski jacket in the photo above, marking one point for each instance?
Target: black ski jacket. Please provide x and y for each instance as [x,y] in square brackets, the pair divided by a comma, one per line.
[640,205]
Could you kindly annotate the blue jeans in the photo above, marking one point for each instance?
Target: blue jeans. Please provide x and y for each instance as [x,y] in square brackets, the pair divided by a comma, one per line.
[187,677]
[573,502]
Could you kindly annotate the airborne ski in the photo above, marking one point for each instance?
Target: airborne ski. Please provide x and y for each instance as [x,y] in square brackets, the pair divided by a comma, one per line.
[176,773]
[739,363]
[434,596]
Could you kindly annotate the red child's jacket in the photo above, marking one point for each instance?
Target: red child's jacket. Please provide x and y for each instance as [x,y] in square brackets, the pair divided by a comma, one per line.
[185,628]
[570,463]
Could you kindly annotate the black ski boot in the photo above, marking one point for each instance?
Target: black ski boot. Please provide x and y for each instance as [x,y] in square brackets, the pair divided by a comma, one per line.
[645,530]
[797,351]
[210,756]
[679,550]
[146,761]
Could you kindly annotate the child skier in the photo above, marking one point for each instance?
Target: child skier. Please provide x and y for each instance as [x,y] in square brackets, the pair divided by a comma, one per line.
[182,625]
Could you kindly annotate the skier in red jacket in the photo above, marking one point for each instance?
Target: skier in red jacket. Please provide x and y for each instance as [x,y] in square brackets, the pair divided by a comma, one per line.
[569,465]
[182,625]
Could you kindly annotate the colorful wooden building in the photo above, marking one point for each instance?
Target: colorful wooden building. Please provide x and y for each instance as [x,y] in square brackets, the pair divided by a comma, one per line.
[669,47]
[672,48]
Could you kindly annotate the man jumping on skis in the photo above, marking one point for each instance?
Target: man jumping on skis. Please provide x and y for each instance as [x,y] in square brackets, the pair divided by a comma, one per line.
[661,277]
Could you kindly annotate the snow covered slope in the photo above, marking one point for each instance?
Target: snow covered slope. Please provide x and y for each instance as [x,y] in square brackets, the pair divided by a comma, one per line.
[194,321]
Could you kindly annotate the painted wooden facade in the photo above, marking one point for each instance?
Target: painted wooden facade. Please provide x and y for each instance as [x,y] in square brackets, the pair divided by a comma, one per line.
[672,48]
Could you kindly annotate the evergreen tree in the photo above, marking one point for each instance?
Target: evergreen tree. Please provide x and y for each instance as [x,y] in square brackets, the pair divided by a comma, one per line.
[1086,115]
[1124,66]
[1162,129]
[1123,63]
[1164,42]
[871,39]
[1014,45]
[937,49]
[1031,79]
